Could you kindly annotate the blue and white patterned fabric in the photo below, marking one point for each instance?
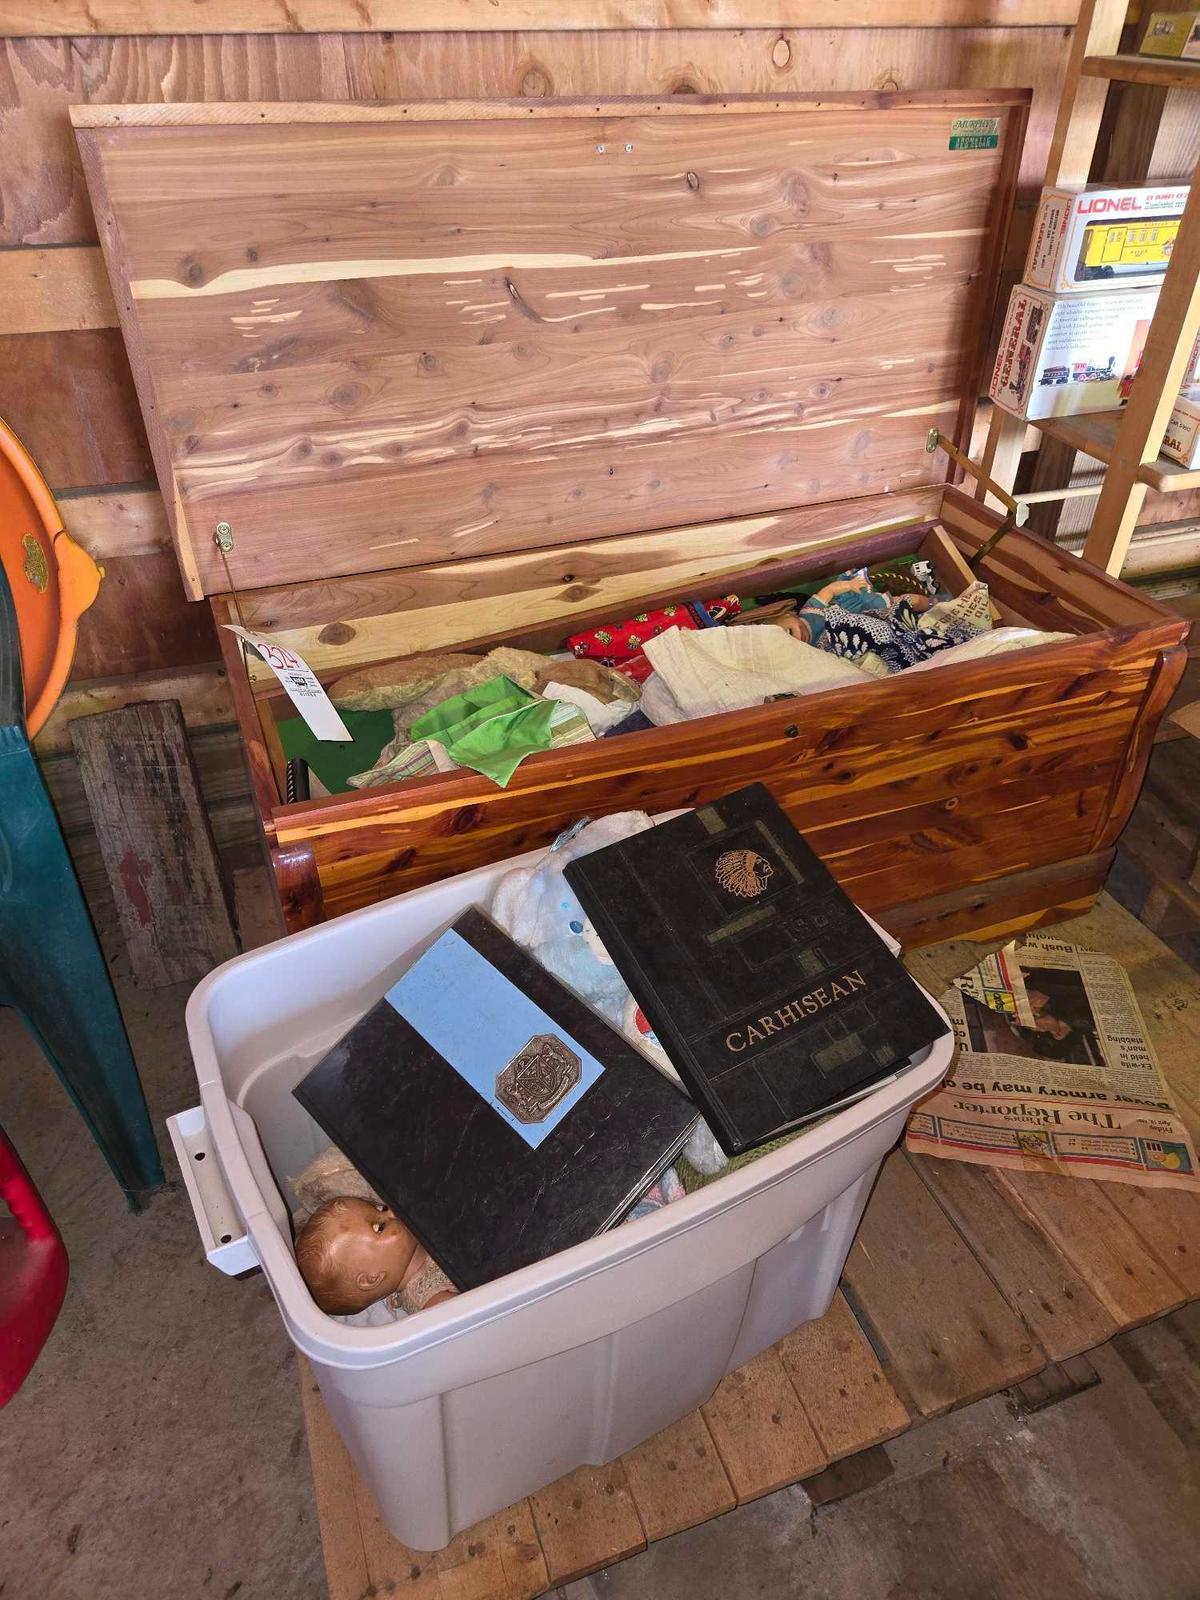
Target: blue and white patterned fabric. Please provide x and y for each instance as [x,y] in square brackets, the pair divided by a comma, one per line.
[886,640]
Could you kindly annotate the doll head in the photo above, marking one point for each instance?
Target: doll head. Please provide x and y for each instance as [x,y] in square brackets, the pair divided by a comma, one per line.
[352,1252]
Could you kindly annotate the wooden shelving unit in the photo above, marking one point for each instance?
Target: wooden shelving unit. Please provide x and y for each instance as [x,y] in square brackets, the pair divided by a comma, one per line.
[1127,442]
[1164,71]
[1095,433]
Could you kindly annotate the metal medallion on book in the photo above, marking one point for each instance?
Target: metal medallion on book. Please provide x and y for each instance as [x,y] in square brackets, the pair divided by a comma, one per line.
[537,1078]
[743,873]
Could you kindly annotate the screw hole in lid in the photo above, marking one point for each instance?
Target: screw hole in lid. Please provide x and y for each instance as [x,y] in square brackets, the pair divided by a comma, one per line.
[226,1237]
[199,1156]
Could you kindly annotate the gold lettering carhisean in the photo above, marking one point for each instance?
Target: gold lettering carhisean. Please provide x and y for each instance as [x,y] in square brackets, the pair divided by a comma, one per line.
[804,1005]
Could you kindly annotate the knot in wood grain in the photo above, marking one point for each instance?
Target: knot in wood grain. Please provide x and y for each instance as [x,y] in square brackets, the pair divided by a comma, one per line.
[465,820]
[347,395]
[535,84]
[336,633]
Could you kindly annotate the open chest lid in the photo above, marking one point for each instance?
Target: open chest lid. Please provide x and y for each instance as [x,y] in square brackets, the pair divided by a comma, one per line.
[369,337]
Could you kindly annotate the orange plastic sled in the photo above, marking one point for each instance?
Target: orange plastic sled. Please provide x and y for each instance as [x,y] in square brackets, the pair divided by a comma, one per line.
[53,579]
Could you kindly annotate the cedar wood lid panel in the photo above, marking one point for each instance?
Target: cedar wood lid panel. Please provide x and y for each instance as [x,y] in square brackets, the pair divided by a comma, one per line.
[368,339]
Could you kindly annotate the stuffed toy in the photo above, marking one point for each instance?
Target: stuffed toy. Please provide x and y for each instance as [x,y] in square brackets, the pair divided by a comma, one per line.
[537,907]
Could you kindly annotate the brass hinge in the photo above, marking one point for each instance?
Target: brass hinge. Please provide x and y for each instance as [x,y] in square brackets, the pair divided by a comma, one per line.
[1017,511]
[223,538]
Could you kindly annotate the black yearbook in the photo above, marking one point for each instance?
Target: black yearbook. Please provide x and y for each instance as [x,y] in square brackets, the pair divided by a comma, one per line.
[767,988]
[494,1111]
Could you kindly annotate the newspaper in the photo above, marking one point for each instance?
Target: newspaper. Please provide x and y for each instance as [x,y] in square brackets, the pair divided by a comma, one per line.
[1054,1073]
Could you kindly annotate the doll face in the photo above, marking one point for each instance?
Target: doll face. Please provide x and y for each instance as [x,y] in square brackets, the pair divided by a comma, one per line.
[369,1247]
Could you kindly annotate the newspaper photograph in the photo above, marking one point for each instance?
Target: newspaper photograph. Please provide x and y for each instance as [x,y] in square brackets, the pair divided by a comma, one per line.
[1054,1073]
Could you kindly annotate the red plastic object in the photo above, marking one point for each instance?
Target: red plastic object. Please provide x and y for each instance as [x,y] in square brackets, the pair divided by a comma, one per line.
[33,1273]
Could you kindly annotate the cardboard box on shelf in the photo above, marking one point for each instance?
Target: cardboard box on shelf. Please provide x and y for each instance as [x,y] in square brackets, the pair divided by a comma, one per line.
[1182,439]
[1063,354]
[1173,33]
[1098,238]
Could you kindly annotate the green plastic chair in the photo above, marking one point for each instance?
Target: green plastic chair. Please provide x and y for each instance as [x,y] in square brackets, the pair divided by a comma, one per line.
[51,967]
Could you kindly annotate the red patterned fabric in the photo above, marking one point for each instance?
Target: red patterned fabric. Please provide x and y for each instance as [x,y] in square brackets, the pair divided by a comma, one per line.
[621,644]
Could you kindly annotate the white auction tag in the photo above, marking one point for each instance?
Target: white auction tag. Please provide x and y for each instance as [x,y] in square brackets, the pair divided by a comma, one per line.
[301,684]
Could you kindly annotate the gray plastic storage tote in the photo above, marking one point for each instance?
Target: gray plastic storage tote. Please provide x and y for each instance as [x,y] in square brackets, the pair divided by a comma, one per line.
[463,1409]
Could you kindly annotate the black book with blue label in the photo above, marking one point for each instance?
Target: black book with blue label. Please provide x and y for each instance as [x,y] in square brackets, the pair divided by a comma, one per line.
[768,989]
[495,1112]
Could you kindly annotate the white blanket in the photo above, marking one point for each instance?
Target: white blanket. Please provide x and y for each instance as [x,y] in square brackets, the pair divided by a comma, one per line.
[993,643]
[702,672]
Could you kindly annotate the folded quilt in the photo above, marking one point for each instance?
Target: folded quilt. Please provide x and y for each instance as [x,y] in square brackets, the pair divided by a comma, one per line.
[728,669]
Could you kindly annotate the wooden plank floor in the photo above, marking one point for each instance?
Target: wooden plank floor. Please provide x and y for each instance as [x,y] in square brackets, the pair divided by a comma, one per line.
[962,1281]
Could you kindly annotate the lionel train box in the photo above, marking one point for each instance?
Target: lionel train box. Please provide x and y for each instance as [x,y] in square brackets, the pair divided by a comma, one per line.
[435,376]
[1182,439]
[1095,238]
[1060,355]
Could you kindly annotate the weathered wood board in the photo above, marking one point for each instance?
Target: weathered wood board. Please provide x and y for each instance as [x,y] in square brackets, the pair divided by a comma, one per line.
[1055,1299]
[677,1478]
[70,401]
[715,308]
[54,291]
[845,1393]
[158,849]
[406,16]
[202,695]
[939,1320]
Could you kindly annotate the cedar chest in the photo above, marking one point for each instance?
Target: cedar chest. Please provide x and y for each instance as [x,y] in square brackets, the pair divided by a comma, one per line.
[447,374]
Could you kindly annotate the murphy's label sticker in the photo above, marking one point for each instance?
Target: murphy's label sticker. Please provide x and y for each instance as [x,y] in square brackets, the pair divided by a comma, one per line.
[975,133]
[301,683]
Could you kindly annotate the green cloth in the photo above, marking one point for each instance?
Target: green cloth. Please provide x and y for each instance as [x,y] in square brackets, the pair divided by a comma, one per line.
[692,1179]
[491,728]
[810,586]
[333,760]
